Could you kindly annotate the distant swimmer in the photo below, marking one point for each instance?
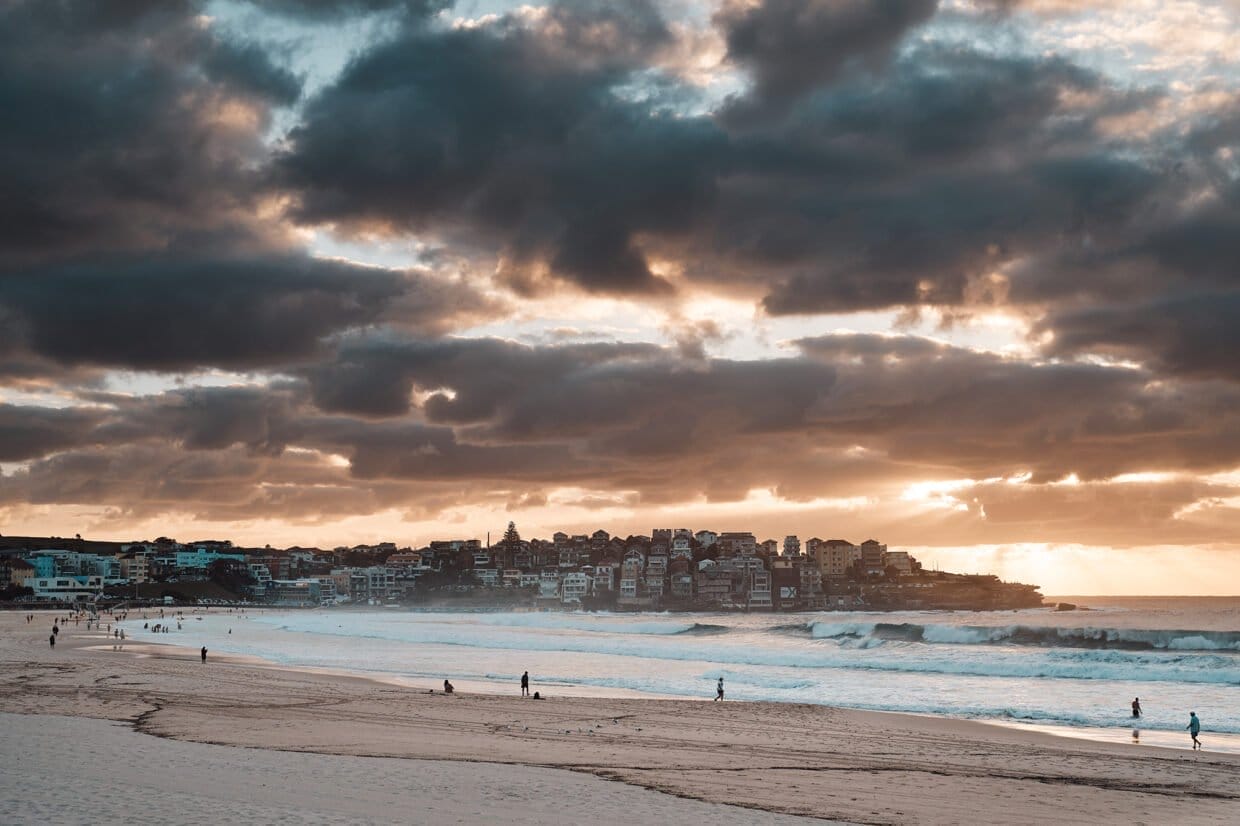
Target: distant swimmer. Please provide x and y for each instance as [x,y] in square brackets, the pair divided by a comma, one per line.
[1136,706]
[447,687]
[525,684]
[204,653]
[719,690]
[1194,728]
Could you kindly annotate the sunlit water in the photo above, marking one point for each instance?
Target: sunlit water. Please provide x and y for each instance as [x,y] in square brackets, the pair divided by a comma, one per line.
[1034,667]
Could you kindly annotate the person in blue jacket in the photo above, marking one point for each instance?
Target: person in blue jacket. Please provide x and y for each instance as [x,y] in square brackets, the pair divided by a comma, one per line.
[1194,728]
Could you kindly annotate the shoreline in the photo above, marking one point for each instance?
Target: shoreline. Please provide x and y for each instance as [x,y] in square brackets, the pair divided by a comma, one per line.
[1120,734]
[855,766]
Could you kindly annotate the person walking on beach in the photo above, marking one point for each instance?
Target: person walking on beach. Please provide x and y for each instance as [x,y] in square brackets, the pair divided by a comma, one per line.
[1136,706]
[204,653]
[52,639]
[525,684]
[719,690]
[1194,728]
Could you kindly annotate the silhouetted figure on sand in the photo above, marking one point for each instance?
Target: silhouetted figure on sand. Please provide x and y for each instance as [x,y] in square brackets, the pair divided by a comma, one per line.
[447,687]
[52,639]
[719,690]
[204,653]
[1194,728]
[525,684]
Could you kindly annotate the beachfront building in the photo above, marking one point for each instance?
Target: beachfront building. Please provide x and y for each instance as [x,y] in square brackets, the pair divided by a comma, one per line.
[812,596]
[59,563]
[873,555]
[713,584]
[680,578]
[199,559]
[295,592]
[65,588]
[792,546]
[759,597]
[261,577]
[900,560]
[373,583]
[15,571]
[835,556]
[769,547]
[706,539]
[327,590]
[604,577]
[574,586]
[135,567]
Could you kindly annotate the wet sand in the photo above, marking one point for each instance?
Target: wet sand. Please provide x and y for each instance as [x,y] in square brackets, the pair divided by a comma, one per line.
[815,761]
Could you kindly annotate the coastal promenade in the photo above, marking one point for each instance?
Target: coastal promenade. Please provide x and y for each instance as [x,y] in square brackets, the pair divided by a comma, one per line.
[798,760]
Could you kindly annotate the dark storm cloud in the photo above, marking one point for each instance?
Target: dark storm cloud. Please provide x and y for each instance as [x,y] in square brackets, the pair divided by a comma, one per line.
[262,419]
[31,432]
[923,403]
[333,10]
[375,376]
[126,124]
[510,136]
[129,231]
[910,189]
[1193,334]
[177,311]
[794,46]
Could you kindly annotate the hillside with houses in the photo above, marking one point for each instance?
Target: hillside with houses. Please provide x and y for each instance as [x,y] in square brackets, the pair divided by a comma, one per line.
[672,569]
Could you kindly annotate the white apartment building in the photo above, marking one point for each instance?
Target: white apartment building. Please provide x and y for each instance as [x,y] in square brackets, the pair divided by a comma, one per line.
[574,586]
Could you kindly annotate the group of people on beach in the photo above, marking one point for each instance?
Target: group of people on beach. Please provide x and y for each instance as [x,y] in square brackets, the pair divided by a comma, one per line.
[1193,727]
[448,688]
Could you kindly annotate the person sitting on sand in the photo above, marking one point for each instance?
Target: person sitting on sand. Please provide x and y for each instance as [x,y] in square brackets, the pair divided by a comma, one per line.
[537,696]
[1136,707]
[719,690]
[1194,728]
[447,687]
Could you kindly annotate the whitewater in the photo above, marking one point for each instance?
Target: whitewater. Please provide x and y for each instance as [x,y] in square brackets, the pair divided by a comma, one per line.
[1075,670]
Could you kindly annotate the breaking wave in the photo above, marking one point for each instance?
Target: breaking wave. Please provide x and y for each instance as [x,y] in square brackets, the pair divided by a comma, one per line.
[1122,639]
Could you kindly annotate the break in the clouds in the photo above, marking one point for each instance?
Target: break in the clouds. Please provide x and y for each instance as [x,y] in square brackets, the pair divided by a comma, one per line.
[750,215]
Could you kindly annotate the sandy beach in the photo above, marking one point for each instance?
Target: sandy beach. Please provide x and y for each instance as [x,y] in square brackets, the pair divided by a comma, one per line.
[771,759]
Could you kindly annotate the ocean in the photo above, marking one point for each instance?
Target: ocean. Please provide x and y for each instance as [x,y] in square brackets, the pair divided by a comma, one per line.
[1073,673]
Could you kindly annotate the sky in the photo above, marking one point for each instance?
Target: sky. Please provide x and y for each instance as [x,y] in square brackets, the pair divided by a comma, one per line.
[959,275]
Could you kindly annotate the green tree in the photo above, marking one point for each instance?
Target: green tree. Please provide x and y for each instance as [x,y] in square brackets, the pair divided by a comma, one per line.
[512,539]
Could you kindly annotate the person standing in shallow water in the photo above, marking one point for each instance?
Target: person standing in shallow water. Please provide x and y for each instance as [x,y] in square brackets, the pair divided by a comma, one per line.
[204,653]
[525,684]
[1136,707]
[1194,728]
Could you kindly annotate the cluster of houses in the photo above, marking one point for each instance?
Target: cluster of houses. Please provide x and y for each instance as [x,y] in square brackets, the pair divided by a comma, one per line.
[672,568]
